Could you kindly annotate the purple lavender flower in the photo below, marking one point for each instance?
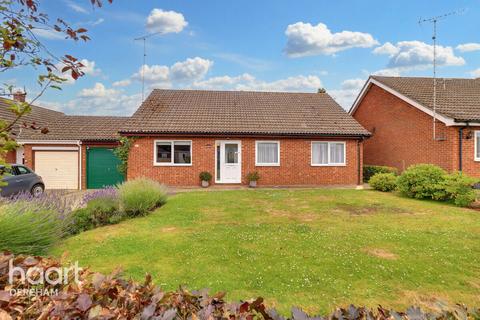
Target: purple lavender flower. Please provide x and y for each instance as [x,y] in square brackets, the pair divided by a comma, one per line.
[108,192]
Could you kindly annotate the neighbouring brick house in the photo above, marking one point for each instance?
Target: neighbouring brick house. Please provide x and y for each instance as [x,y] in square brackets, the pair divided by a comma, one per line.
[76,153]
[40,116]
[398,111]
[288,138]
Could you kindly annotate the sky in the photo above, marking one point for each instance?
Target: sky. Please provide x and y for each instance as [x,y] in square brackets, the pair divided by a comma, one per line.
[269,45]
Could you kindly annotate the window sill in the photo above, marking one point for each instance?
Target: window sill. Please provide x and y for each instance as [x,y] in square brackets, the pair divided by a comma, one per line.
[329,165]
[267,164]
[172,164]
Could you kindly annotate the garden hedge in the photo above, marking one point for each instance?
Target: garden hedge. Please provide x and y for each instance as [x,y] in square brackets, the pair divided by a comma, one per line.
[112,297]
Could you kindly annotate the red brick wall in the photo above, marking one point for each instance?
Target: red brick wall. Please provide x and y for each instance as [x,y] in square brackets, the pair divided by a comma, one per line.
[402,134]
[11,157]
[294,169]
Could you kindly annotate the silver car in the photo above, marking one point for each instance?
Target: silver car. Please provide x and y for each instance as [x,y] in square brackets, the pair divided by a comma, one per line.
[20,179]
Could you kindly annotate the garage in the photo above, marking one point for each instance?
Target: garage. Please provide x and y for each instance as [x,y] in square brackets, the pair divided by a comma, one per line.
[59,169]
[102,168]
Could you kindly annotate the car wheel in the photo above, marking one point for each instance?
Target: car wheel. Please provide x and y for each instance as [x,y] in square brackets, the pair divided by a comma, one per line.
[37,190]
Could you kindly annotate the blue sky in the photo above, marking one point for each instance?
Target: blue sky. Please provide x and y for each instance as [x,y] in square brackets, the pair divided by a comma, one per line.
[274,45]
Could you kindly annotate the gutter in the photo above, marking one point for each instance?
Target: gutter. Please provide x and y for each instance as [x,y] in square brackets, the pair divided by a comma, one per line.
[460,147]
[229,134]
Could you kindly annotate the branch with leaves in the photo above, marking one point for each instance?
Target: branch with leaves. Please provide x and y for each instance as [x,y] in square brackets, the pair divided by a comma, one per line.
[20,47]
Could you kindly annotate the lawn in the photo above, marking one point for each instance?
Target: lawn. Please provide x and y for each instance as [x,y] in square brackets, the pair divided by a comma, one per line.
[314,248]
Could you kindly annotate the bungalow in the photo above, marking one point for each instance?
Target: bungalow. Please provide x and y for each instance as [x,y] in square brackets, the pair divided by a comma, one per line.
[406,129]
[76,153]
[288,138]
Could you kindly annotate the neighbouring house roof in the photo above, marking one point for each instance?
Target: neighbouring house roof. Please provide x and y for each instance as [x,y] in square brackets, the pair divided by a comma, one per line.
[241,113]
[85,128]
[61,126]
[41,116]
[457,99]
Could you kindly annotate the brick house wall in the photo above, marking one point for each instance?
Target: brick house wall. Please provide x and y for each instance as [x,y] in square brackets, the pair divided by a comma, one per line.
[294,169]
[402,135]
[11,157]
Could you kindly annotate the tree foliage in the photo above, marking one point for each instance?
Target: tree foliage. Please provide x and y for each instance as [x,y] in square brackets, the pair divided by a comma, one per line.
[21,48]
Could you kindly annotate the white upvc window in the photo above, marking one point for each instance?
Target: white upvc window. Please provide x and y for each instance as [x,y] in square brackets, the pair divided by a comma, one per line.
[172,153]
[267,153]
[477,146]
[328,153]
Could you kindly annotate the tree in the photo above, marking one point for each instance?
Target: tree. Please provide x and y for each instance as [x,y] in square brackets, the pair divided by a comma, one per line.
[20,47]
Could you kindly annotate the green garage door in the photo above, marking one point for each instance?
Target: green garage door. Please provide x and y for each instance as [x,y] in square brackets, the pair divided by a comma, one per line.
[102,168]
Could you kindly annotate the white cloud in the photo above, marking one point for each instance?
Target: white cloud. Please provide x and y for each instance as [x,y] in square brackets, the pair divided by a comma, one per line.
[468,47]
[475,73]
[348,92]
[388,72]
[48,34]
[187,71]
[122,83]
[77,8]
[97,22]
[190,69]
[165,21]
[417,55]
[152,74]
[249,82]
[88,68]
[304,39]
[387,48]
[97,91]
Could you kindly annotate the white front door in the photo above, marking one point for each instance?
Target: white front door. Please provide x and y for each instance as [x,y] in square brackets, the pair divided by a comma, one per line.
[228,161]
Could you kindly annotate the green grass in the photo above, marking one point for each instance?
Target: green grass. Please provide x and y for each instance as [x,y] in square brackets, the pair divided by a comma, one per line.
[313,248]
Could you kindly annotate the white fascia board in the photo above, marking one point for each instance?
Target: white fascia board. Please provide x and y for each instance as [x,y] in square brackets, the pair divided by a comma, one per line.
[23,142]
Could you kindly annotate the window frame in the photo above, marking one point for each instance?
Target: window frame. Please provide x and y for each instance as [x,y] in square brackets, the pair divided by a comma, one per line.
[171,163]
[476,157]
[260,164]
[329,164]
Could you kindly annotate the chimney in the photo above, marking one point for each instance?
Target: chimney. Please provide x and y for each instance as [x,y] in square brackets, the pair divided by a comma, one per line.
[19,96]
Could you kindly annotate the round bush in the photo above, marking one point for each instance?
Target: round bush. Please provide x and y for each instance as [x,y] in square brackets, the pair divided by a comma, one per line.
[370,171]
[422,181]
[383,182]
[140,196]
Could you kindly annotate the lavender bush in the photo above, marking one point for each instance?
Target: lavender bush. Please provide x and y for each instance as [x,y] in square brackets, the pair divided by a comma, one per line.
[31,225]
[98,208]
[109,192]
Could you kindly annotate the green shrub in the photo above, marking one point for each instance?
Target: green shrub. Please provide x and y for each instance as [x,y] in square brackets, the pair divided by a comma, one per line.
[383,182]
[30,228]
[370,171]
[138,197]
[253,176]
[458,187]
[422,181]
[205,176]
[98,212]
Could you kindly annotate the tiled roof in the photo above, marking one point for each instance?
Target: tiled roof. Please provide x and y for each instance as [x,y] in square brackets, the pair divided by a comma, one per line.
[93,128]
[241,112]
[458,99]
[61,126]
[41,116]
